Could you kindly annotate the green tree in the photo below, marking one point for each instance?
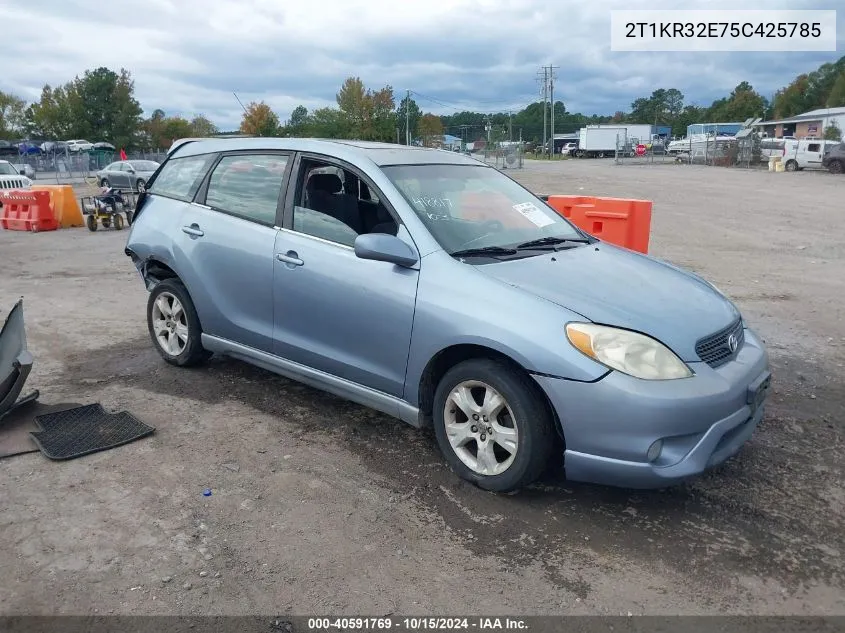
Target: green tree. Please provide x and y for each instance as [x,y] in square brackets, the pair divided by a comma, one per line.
[103,107]
[383,126]
[832,132]
[260,120]
[298,123]
[354,107]
[792,99]
[413,118]
[836,97]
[51,116]
[328,123]
[743,103]
[202,126]
[12,115]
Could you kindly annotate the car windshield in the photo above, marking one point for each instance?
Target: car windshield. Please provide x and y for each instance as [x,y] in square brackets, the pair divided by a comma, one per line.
[467,206]
[144,165]
[6,169]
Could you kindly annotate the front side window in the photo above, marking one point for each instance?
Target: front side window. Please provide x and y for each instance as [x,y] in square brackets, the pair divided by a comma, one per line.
[248,186]
[467,206]
[181,177]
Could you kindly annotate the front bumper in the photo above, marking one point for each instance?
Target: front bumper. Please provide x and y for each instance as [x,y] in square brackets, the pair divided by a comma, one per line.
[610,425]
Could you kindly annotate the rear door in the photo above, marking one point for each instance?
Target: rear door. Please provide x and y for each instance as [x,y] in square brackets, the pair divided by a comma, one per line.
[226,239]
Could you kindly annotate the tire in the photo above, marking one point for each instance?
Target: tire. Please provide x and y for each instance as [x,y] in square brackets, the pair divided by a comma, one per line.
[601,154]
[106,223]
[836,167]
[187,350]
[129,217]
[118,222]
[141,186]
[523,411]
[104,183]
[91,222]
[791,165]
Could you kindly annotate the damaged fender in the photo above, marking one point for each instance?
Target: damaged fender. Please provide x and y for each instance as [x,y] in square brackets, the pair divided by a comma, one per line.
[15,360]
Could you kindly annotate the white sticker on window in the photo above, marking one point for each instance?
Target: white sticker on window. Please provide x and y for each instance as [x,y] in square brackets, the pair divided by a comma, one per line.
[533,214]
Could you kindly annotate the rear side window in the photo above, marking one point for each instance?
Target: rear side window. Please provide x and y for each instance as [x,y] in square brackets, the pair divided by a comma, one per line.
[181,177]
[248,186]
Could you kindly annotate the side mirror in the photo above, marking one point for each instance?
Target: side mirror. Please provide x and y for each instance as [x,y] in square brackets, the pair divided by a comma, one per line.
[383,247]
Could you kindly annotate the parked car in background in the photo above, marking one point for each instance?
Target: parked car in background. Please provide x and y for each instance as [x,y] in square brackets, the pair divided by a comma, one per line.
[80,145]
[834,159]
[25,169]
[434,288]
[805,153]
[127,174]
[103,146]
[11,177]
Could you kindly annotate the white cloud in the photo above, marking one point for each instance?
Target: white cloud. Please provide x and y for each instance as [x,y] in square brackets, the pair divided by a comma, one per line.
[187,56]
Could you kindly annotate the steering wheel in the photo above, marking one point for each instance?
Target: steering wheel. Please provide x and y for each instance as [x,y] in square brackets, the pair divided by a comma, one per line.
[491,226]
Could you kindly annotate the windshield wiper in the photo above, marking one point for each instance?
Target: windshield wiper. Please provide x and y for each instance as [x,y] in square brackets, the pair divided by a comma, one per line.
[484,250]
[552,241]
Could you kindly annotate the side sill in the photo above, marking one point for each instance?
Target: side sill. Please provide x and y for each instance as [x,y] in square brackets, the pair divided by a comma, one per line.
[378,400]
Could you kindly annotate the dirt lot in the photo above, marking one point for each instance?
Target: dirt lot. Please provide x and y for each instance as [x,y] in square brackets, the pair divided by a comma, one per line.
[321,506]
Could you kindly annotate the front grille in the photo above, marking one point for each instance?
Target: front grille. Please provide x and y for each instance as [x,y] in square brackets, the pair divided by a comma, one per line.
[715,349]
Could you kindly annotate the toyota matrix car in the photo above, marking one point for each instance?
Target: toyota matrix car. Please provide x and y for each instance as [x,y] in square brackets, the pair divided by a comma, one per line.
[432,287]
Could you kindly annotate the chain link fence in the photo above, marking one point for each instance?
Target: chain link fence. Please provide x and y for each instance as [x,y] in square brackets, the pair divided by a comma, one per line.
[64,165]
[714,151]
[512,157]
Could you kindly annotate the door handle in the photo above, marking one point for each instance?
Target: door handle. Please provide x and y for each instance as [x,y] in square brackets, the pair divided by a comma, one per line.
[193,230]
[290,258]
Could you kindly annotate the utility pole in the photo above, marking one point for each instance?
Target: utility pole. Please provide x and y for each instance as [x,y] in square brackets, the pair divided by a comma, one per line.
[408,118]
[510,127]
[545,101]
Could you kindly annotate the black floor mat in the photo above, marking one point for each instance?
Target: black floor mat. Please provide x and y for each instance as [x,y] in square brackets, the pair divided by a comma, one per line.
[84,430]
[16,426]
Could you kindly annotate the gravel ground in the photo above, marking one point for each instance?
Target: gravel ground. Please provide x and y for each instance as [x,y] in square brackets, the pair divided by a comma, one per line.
[321,506]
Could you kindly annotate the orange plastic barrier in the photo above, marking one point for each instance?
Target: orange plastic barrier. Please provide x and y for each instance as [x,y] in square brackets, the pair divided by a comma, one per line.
[24,210]
[620,221]
[65,205]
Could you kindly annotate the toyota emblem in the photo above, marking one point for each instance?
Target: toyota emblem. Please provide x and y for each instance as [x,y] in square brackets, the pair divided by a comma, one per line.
[733,343]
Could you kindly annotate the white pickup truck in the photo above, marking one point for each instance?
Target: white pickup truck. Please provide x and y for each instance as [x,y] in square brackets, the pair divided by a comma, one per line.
[11,178]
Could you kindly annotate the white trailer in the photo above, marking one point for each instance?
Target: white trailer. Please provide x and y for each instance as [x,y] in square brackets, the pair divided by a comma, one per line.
[599,142]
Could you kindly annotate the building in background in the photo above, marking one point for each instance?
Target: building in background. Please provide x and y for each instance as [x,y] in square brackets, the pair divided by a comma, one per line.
[809,124]
[715,129]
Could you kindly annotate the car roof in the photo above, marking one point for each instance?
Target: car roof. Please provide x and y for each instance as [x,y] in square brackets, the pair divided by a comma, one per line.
[382,154]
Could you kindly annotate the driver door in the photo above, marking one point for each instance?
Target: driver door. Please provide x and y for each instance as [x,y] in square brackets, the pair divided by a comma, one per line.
[334,312]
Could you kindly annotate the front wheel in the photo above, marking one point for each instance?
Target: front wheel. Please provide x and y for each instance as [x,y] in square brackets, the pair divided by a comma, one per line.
[91,222]
[836,167]
[492,425]
[791,165]
[174,325]
[104,183]
[141,186]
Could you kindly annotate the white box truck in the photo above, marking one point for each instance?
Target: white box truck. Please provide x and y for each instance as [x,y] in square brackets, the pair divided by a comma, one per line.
[599,142]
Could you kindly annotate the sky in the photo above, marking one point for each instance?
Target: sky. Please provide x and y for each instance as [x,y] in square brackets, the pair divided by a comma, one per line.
[188,56]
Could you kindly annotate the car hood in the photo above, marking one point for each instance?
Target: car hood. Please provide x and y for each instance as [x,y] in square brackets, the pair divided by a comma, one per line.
[614,286]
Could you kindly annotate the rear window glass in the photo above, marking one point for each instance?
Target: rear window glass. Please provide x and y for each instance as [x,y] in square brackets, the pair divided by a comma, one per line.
[181,177]
[248,186]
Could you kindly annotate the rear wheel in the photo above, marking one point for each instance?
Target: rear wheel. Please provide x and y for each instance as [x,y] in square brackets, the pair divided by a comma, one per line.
[174,325]
[492,425]
[118,222]
[791,165]
[91,222]
[104,183]
[141,186]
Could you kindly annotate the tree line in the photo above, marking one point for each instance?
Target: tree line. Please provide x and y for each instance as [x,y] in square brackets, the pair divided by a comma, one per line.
[100,105]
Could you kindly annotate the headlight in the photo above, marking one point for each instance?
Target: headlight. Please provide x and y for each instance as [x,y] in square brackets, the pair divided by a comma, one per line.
[634,354]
